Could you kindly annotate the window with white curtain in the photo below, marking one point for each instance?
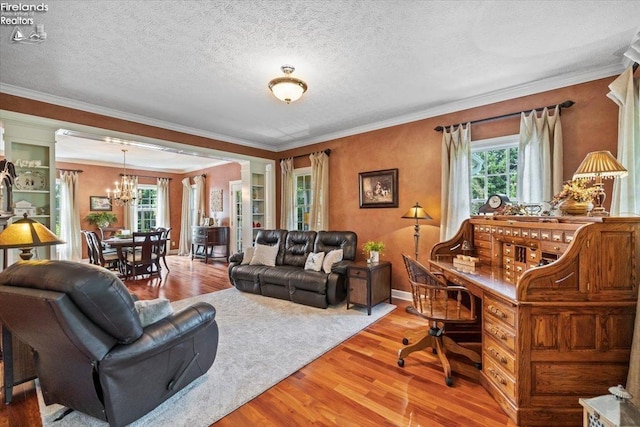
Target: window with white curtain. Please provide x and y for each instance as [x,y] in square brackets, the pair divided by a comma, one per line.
[303,192]
[147,206]
[494,165]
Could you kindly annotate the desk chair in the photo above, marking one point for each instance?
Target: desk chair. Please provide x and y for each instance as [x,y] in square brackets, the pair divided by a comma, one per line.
[441,304]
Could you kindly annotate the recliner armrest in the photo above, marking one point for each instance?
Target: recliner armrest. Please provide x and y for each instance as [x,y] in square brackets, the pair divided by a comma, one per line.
[341,267]
[237,257]
[162,334]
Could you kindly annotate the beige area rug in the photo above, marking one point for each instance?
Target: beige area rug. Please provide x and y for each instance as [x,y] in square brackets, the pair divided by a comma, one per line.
[262,341]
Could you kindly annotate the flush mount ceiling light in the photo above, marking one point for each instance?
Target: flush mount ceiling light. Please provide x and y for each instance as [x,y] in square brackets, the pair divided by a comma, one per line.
[287,88]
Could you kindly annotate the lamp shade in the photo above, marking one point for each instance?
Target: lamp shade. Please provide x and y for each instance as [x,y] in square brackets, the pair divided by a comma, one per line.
[287,88]
[27,233]
[600,163]
[416,212]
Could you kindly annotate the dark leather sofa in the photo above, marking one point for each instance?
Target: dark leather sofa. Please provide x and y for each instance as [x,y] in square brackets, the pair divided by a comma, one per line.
[288,279]
[91,352]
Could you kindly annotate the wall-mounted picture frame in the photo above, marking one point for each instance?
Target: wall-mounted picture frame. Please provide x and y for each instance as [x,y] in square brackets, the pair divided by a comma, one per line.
[379,189]
[99,203]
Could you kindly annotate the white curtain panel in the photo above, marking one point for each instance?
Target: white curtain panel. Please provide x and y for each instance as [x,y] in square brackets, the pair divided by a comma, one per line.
[131,209]
[456,176]
[625,91]
[287,191]
[163,216]
[319,211]
[539,157]
[185,219]
[69,218]
[200,199]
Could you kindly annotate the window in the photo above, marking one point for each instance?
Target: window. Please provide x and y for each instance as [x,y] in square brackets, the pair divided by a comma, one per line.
[147,207]
[494,165]
[302,204]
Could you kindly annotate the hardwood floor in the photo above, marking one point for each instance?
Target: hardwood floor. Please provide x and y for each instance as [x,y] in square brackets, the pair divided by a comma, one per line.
[358,383]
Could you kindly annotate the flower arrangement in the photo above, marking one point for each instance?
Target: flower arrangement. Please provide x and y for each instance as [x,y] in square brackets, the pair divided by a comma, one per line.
[373,246]
[576,190]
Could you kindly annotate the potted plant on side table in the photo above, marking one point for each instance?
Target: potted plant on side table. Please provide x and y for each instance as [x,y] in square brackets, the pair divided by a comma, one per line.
[373,249]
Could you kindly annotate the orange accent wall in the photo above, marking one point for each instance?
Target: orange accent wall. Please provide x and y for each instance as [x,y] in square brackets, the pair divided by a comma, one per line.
[414,148]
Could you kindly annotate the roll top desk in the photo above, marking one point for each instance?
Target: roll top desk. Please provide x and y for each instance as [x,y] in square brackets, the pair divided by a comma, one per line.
[558,307]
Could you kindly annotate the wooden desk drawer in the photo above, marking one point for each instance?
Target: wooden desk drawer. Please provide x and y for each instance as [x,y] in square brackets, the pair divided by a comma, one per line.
[554,247]
[503,357]
[499,378]
[501,333]
[486,244]
[500,310]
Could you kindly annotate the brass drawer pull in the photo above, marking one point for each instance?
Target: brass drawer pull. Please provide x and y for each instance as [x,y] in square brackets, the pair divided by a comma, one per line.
[498,333]
[497,376]
[500,358]
[497,312]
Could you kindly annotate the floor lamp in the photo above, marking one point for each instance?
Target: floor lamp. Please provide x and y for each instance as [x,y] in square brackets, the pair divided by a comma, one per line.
[416,212]
[23,234]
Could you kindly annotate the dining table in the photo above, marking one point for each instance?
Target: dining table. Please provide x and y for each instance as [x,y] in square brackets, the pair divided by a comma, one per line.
[122,244]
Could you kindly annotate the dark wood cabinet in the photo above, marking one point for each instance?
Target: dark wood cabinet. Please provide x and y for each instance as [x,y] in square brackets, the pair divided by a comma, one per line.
[209,242]
[369,284]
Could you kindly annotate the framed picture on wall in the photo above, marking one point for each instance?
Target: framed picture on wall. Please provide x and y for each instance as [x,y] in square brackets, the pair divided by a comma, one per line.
[379,189]
[99,203]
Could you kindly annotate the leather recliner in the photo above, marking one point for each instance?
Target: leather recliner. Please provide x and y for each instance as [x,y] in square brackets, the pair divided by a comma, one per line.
[91,352]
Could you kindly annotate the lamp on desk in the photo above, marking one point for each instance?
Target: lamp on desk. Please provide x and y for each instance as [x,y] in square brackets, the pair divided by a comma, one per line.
[26,234]
[598,165]
[416,212]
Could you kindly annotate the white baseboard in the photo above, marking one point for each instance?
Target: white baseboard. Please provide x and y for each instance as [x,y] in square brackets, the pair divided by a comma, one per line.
[403,295]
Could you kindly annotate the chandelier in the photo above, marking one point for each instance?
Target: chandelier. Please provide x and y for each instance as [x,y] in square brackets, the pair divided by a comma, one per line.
[125,191]
[287,88]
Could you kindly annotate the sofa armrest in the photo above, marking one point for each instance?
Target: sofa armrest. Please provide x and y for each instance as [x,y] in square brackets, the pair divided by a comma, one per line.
[341,267]
[237,257]
[163,334]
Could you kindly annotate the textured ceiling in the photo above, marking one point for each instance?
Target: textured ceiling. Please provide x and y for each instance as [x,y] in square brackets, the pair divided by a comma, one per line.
[203,66]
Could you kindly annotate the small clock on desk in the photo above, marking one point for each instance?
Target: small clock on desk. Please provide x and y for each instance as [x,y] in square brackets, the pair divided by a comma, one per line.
[494,203]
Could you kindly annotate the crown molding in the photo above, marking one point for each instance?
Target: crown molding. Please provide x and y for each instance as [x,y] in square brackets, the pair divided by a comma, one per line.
[473,102]
[539,86]
[91,108]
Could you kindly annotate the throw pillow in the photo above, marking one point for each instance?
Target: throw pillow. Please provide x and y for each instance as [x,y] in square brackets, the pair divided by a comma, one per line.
[314,261]
[150,311]
[264,255]
[331,258]
[248,254]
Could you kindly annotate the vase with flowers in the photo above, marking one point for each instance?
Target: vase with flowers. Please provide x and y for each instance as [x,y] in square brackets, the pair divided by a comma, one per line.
[575,198]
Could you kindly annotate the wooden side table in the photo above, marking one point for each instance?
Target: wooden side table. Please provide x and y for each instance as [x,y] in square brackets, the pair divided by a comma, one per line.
[369,284]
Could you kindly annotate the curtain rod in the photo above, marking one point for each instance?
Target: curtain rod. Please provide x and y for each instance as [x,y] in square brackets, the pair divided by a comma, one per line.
[327,152]
[70,170]
[565,104]
[146,176]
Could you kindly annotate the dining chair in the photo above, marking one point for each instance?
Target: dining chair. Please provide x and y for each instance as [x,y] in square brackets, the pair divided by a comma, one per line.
[142,259]
[441,304]
[162,253]
[96,254]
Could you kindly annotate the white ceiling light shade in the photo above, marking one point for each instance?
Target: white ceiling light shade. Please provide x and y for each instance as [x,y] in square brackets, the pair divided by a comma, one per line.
[287,88]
